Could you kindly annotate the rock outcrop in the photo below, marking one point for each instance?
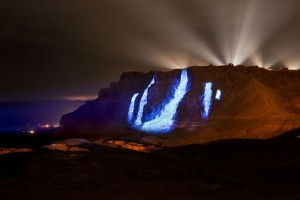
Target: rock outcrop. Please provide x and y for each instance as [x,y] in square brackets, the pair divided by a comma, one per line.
[194,105]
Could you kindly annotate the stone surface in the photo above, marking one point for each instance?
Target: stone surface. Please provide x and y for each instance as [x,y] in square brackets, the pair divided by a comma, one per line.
[64,147]
[14,150]
[152,140]
[255,103]
[130,146]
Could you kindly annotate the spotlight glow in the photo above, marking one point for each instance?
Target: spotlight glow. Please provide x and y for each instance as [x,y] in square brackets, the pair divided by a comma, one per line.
[241,30]
[206,100]
[176,51]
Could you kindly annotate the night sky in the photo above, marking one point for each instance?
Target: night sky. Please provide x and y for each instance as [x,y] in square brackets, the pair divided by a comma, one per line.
[70,49]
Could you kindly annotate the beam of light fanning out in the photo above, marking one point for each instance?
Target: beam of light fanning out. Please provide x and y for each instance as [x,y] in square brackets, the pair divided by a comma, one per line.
[131,108]
[206,100]
[164,121]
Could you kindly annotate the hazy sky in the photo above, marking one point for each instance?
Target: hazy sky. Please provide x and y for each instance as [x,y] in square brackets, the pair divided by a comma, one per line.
[71,48]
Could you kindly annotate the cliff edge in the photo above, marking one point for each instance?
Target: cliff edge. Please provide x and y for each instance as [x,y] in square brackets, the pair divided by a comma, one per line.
[193,105]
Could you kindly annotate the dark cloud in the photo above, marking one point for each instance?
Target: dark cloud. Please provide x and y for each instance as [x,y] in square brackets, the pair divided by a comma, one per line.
[55,49]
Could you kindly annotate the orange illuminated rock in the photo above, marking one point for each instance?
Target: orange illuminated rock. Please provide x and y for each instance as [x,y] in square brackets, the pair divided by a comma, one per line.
[14,150]
[255,103]
[130,145]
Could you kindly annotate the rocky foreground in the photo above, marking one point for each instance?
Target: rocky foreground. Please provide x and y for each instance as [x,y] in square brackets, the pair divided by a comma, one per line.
[80,169]
[193,105]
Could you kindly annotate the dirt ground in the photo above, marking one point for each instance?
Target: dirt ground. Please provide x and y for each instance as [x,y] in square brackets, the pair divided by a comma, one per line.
[239,169]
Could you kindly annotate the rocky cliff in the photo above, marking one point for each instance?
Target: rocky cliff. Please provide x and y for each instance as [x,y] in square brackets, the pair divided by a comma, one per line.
[193,105]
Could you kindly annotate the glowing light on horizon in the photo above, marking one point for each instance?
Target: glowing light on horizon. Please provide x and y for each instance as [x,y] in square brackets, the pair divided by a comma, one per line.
[210,32]
[206,100]
[242,29]
[143,102]
[164,121]
[187,48]
[81,98]
[218,95]
[131,108]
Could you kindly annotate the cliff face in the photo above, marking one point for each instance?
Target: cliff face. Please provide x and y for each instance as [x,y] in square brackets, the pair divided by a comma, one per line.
[205,103]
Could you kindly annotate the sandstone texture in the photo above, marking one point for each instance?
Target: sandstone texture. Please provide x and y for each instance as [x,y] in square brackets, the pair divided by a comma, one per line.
[256,103]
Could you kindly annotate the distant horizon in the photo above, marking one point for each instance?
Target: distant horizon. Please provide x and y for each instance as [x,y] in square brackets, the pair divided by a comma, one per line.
[13,100]
[19,114]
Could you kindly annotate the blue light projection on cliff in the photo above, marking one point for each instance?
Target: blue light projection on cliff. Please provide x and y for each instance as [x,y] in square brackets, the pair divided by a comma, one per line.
[218,95]
[206,99]
[143,102]
[131,108]
[164,121]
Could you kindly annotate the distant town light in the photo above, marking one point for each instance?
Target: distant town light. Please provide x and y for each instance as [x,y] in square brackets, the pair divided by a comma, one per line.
[45,126]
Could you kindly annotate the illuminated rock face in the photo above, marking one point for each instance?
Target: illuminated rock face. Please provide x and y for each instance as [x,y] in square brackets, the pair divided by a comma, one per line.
[131,108]
[206,100]
[164,120]
[218,102]
[143,102]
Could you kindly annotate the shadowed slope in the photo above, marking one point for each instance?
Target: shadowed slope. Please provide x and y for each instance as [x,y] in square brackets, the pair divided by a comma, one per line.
[254,111]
